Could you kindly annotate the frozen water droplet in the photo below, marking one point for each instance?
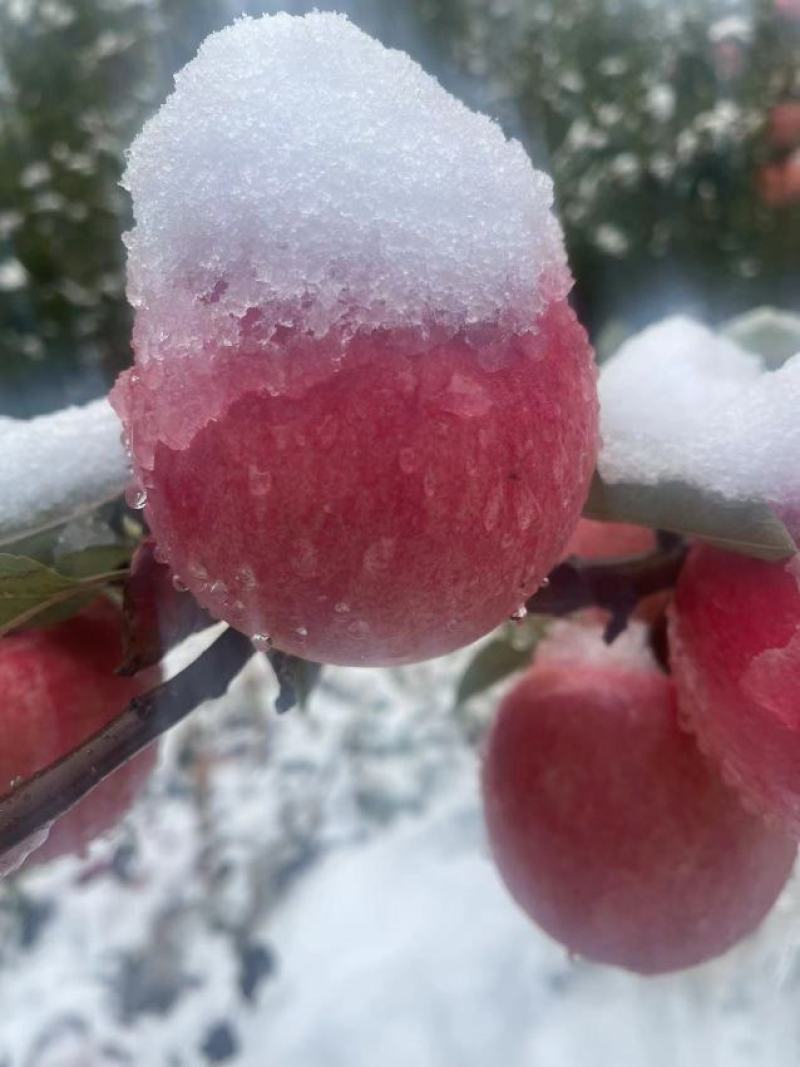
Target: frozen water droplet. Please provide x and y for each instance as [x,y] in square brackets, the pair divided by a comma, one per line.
[407,458]
[491,513]
[341,608]
[263,642]
[136,497]
[301,631]
[379,554]
[197,570]
[328,431]
[158,554]
[304,558]
[464,396]
[178,584]
[520,614]
[545,583]
[526,506]
[260,481]
[246,578]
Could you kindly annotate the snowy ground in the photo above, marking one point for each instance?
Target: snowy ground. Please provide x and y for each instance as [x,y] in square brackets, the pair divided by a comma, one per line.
[315,890]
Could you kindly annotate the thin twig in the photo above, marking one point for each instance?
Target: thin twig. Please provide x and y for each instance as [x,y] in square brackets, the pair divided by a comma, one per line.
[617,585]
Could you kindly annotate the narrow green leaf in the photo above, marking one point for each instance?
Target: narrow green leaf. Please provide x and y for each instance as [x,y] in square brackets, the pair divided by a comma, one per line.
[491,663]
[750,528]
[26,587]
[31,592]
[89,562]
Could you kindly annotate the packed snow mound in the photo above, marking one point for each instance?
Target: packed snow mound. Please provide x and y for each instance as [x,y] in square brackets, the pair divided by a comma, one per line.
[59,465]
[301,168]
[678,402]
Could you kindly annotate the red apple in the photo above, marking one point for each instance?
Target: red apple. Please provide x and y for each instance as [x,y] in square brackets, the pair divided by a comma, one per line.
[735,640]
[373,499]
[608,825]
[607,540]
[58,687]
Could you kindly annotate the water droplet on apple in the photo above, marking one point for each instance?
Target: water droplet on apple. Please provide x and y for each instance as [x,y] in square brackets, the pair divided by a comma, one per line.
[135,497]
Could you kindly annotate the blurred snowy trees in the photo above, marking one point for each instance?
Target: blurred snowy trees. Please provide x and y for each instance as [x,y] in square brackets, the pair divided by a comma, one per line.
[675,190]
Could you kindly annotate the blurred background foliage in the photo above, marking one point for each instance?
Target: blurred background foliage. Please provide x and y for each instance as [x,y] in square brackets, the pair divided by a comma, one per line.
[671,127]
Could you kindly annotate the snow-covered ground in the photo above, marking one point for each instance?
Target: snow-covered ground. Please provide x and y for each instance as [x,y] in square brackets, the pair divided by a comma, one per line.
[315,890]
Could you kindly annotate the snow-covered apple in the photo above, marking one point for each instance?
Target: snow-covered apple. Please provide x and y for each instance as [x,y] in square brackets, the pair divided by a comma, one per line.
[362,415]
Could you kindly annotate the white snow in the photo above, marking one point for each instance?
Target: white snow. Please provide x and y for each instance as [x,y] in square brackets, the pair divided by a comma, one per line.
[394,941]
[57,466]
[301,168]
[12,275]
[679,402]
[580,640]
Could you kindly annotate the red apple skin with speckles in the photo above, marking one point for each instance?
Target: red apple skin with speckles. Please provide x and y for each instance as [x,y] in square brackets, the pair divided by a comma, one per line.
[380,498]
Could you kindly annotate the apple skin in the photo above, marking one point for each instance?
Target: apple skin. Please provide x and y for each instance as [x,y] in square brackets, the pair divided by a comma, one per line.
[373,500]
[735,640]
[58,687]
[611,829]
[609,540]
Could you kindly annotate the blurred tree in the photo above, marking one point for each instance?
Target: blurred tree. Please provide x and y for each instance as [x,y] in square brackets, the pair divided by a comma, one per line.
[76,79]
[651,118]
[677,180]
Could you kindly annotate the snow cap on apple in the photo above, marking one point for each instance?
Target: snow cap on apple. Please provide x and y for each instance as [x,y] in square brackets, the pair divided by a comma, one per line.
[362,415]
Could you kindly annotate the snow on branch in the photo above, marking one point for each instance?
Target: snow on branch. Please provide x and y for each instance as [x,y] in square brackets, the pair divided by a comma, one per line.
[57,466]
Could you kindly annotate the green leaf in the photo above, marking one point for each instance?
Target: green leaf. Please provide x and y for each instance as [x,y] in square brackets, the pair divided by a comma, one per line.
[496,660]
[774,335]
[750,528]
[27,587]
[41,546]
[30,592]
[98,559]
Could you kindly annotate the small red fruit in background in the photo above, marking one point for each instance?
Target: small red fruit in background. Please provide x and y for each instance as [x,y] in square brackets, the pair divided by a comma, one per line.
[788,9]
[58,688]
[609,540]
[779,183]
[608,825]
[783,129]
[735,640]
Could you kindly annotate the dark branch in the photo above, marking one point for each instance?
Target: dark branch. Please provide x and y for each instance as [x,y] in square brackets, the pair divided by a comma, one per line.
[617,585]
[157,616]
[52,792]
